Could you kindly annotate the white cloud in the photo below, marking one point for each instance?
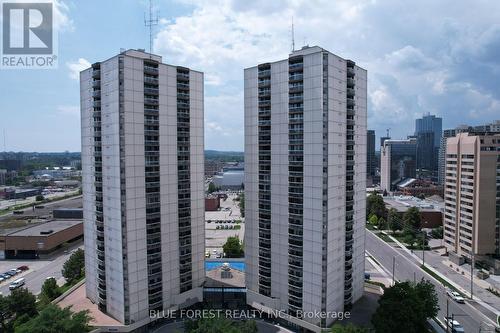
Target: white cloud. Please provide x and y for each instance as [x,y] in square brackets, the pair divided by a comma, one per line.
[416,59]
[75,67]
[62,20]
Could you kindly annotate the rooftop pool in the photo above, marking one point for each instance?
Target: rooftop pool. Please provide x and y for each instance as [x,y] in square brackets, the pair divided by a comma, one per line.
[239,265]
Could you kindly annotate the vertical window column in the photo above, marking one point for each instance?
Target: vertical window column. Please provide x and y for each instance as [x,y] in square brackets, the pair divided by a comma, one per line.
[295,183]
[264,133]
[99,222]
[152,184]
[349,199]
[184,179]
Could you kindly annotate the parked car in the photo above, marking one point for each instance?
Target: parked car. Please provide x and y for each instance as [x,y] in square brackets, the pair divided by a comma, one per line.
[230,227]
[226,227]
[455,296]
[50,277]
[5,276]
[14,271]
[17,284]
[217,227]
[9,273]
[454,325]
[209,221]
[23,268]
[1,279]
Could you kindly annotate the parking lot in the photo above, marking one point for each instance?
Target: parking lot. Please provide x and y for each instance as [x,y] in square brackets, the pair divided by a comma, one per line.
[223,223]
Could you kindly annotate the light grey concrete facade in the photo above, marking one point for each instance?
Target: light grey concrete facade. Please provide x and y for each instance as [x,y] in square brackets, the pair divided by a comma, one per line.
[305,182]
[143,199]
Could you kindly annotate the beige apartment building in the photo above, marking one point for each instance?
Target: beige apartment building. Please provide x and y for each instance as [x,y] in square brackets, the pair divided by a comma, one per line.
[472,195]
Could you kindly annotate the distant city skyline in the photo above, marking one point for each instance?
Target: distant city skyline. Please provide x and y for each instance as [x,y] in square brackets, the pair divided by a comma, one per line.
[449,71]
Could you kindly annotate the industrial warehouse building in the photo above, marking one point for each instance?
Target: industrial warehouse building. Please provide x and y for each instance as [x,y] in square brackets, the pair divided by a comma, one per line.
[39,240]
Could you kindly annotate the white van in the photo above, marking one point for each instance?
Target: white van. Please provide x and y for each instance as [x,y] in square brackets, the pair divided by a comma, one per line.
[16,284]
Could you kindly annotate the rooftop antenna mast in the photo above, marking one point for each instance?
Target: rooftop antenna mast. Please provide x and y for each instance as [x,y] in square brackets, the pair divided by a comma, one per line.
[293,37]
[388,132]
[150,22]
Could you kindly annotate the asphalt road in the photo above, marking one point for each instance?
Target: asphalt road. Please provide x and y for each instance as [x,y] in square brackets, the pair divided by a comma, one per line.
[407,269]
[35,279]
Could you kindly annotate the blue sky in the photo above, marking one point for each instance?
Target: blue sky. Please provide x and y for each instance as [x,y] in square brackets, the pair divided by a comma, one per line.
[432,56]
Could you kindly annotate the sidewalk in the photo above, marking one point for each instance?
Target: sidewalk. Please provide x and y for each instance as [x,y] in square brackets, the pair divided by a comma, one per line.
[460,282]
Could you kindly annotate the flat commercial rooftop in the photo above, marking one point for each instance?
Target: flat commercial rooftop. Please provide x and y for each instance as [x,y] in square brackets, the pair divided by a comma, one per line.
[37,230]
[402,203]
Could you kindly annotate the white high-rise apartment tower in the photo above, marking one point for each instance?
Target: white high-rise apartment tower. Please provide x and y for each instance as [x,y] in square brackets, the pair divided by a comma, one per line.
[305,164]
[143,201]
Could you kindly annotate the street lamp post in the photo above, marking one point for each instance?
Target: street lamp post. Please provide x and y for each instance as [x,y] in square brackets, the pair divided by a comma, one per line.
[393,264]
[472,276]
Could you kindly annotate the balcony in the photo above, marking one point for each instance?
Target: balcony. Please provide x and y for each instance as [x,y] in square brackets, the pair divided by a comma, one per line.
[350,83]
[350,92]
[264,73]
[151,101]
[96,83]
[151,110]
[97,104]
[96,94]
[295,77]
[96,73]
[264,83]
[182,95]
[296,109]
[350,72]
[151,91]
[350,102]
[264,93]
[265,103]
[296,98]
[295,67]
[183,86]
[182,105]
[183,76]
[150,80]
[150,70]
[295,88]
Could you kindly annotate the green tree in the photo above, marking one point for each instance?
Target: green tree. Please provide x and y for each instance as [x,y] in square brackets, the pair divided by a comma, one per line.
[21,301]
[411,221]
[241,204]
[5,314]
[349,328]
[50,291]
[437,233]
[405,307]
[73,268]
[373,219]
[382,224]
[54,319]
[212,188]
[233,248]
[394,220]
[39,197]
[375,205]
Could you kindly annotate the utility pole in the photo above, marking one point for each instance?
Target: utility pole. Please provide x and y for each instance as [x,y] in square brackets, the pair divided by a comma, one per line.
[393,264]
[423,248]
[472,276]
[447,312]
